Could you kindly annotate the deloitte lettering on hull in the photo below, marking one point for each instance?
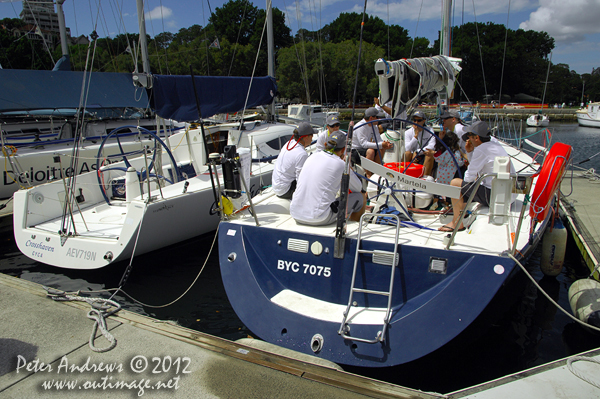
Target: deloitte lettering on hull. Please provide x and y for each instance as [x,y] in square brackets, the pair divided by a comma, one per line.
[28,167]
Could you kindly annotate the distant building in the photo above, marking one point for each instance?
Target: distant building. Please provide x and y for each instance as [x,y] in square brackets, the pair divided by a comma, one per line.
[41,21]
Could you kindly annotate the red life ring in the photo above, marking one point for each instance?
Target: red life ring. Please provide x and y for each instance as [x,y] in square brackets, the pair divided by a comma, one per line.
[414,170]
[549,180]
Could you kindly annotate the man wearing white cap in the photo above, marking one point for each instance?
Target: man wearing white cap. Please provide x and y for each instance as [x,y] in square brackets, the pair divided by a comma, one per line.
[485,152]
[333,125]
[290,161]
[314,201]
[367,140]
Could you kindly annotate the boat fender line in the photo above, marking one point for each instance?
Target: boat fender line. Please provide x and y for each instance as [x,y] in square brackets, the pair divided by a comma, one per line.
[549,179]
[552,301]
[573,359]
[101,309]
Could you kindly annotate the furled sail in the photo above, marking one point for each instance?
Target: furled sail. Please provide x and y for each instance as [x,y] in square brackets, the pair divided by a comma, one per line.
[28,90]
[405,82]
[173,96]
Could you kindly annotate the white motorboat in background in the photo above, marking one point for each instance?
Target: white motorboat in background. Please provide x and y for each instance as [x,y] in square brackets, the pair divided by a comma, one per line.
[590,115]
[538,120]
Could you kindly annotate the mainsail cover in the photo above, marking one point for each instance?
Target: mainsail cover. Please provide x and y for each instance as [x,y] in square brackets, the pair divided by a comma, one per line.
[405,82]
[173,96]
[26,90]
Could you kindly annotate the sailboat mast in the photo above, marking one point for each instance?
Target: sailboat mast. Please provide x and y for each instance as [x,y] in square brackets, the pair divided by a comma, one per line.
[445,41]
[270,48]
[143,40]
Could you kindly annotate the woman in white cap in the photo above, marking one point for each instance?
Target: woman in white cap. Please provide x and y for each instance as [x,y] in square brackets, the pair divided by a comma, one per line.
[314,201]
[290,161]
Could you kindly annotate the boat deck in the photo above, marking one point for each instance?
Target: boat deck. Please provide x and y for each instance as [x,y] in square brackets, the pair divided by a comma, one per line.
[99,221]
[273,212]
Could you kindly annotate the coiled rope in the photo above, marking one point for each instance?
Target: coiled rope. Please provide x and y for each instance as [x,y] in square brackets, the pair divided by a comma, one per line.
[578,373]
[101,309]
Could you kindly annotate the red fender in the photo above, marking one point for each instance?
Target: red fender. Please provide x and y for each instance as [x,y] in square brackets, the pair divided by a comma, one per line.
[548,181]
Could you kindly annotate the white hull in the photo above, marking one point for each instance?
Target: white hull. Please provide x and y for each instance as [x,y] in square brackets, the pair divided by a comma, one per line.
[589,116]
[99,233]
[37,164]
[538,121]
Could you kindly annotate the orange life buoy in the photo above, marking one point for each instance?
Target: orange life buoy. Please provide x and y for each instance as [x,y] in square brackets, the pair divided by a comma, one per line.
[548,181]
[414,170]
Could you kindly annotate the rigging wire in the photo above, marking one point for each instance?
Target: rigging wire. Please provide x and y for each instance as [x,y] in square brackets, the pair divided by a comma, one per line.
[504,55]
[416,29]
[480,55]
[237,40]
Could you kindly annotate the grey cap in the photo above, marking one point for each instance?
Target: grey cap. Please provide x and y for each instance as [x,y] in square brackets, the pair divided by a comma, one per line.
[450,114]
[419,114]
[304,129]
[332,120]
[336,141]
[372,111]
[479,128]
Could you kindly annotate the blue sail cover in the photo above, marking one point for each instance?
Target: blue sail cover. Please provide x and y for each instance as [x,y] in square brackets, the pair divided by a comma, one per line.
[173,96]
[24,90]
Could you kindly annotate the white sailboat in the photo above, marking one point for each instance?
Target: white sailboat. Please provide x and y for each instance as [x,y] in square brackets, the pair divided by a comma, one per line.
[167,195]
[540,119]
[43,115]
[391,288]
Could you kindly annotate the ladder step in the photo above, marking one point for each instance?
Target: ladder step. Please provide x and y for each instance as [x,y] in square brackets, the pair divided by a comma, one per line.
[371,291]
[366,251]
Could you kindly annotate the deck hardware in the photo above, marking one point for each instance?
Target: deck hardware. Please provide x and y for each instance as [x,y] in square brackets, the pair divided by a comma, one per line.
[231,257]
[108,256]
[297,245]
[316,343]
[38,197]
[438,265]
[278,242]
[316,248]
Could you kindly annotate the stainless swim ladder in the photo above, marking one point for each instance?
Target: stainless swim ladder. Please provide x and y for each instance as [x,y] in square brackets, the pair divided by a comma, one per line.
[381,257]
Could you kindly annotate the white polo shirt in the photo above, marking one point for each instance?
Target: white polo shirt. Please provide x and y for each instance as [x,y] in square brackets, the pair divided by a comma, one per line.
[318,186]
[423,141]
[364,134]
[482,162]
[288,165]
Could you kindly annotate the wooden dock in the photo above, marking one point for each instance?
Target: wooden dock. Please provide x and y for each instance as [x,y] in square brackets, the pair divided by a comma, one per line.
[44,353]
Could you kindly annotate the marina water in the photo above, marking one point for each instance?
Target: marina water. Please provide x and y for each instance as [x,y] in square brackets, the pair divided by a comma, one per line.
[520,329]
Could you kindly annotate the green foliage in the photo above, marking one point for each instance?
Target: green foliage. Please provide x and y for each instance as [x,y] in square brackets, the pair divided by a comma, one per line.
[321,65]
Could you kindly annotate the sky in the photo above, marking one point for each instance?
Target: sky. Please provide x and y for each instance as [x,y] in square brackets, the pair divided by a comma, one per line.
[572,23]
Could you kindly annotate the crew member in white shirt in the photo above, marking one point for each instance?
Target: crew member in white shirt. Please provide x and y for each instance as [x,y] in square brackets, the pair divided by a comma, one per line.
[315,200]
[367,140]
[485,152]
[451,121]
[290,161]
[417,141]
[333,125]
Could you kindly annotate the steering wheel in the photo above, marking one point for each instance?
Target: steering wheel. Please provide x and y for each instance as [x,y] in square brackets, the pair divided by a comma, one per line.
[123,155]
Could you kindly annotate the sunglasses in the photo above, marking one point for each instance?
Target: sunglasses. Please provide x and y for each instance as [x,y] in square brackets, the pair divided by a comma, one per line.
[418,120]
[336,125]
